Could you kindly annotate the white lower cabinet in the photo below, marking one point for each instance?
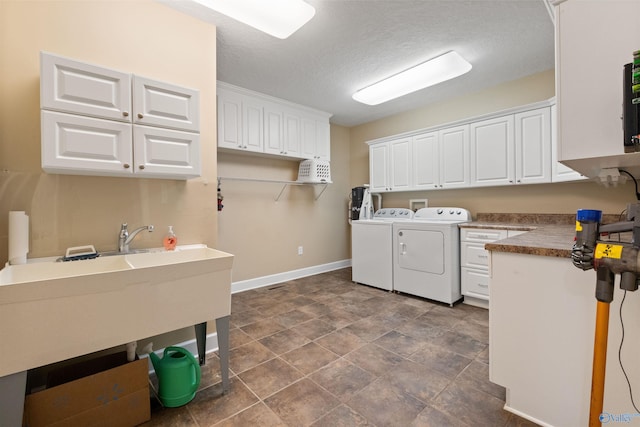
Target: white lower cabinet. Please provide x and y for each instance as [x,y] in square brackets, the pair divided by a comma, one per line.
[474,262]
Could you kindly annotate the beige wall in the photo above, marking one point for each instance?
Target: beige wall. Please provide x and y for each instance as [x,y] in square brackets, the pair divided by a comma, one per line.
[140,37]
[264,234]
[137,36]
[540,198]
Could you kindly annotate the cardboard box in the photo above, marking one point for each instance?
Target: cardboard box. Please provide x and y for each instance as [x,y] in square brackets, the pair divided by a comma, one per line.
[108,391]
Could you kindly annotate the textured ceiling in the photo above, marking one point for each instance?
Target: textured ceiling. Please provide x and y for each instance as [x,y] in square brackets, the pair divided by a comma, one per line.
[350,44]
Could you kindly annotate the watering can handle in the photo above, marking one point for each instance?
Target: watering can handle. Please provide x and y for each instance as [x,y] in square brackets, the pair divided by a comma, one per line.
[192,359]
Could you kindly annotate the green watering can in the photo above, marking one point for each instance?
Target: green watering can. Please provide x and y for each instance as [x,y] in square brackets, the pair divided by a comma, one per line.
[178,375]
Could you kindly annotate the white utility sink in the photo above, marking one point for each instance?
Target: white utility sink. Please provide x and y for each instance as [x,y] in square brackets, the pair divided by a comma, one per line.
[51,311]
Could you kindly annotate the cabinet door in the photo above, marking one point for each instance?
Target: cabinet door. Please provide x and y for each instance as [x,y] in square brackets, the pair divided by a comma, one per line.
[594,41]
[82,145]
[292,132]
[252,125]
[75,87]
[454,157]
[426,161]
[166,153]
[378,167]
[400,166]
[229,120]
[162,104]
[273,132]
[533,146]
[323,143]
[492,152]
[559,172]
[309,137]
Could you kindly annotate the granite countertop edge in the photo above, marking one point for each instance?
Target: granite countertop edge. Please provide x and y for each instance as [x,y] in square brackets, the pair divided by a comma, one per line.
[552,240]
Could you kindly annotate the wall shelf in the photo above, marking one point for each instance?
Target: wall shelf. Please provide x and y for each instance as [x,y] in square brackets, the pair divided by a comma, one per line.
[276,181]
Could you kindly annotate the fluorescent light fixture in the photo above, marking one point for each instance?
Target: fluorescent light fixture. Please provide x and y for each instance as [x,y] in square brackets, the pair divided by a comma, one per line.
[432,72]
[279,18]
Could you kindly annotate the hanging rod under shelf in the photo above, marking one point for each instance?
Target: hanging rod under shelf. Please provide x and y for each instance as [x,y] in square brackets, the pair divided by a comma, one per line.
[276,181]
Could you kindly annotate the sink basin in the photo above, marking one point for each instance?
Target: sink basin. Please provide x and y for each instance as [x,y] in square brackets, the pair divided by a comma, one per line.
[156,259]
[78,307]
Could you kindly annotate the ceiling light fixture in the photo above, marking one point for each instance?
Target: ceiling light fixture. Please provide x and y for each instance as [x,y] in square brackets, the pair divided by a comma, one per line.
[279,18]
[432,72]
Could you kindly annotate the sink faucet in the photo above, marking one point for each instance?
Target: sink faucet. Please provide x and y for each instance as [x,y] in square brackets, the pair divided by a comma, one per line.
[124,239]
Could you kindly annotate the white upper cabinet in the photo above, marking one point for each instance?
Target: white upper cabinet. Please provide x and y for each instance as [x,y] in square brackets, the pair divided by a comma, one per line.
[594,39]
[400,171]
[75,87]
[533,146]
[492,152]
[390,165]
[560,172]
[426,161]
[230,121]
[512,149]
[80,145]
[92,121]
[379,167]
[162,104]
[161,153]
[454,157]
[506,148]
[257,123]
[273,131]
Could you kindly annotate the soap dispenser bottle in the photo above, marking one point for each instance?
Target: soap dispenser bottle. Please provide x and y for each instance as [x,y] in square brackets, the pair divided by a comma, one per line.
[170,240]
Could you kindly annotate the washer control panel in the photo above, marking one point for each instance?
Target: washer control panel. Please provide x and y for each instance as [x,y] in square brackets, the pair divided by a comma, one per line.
[443,214]
[389,213]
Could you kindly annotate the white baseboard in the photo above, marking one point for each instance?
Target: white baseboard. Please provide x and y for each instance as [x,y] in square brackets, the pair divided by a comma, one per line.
[259,282]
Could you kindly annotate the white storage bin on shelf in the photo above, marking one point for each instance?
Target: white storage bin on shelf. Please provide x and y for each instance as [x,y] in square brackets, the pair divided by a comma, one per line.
[314,171]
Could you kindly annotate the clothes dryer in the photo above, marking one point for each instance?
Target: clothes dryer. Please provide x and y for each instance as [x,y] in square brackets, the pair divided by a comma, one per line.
[427,254]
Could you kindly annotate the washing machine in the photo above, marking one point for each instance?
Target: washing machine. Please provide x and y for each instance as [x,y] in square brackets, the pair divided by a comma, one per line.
[426,258]
[372,247]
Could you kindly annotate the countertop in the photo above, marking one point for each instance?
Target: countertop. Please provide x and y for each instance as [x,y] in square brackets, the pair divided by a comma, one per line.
[548,234]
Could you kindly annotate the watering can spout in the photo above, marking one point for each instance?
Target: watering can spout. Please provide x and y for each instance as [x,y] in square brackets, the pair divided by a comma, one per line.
[155,361]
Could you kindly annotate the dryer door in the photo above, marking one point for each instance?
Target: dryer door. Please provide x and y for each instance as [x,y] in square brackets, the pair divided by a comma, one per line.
[421,250]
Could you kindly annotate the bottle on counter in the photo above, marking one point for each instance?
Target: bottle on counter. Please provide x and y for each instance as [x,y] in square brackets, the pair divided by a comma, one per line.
[170,240]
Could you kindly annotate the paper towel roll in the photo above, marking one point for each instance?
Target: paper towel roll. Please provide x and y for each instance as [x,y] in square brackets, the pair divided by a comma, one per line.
[18,237]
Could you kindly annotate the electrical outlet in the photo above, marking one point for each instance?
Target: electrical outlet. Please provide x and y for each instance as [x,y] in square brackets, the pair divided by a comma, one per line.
[300,250]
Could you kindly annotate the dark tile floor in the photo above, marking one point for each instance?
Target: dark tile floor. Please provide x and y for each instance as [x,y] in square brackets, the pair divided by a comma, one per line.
[323,351]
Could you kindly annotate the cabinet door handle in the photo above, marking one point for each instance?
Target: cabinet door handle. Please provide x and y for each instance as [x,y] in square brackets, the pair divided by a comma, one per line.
[126,166]
[403,248]
[125,114]
[140,116]
[483,256]
[141,167]
[482,285]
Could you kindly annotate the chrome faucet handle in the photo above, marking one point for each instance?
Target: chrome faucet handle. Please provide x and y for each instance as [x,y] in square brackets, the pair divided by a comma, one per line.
[150,228]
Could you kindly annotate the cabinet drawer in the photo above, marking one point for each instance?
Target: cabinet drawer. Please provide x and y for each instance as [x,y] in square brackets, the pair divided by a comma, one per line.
[475,283]
[482,235]
[474,255]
